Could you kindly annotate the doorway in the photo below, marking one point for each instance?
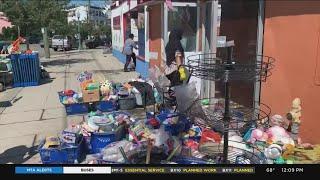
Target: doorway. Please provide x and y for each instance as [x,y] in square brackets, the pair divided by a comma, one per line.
[186,17]
[239,22]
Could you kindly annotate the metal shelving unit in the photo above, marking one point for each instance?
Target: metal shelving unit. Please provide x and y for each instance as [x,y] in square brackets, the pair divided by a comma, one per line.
[208,67]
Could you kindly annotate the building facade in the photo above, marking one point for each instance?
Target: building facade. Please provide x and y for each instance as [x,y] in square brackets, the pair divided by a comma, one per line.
[285,30]
[96,15]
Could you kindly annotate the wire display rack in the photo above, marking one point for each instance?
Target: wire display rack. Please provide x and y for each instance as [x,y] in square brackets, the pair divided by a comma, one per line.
[209,67]
[241,117]
[238,153]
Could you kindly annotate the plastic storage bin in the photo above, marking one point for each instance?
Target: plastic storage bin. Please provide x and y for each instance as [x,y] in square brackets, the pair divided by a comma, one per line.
[64,155]
[106,106]
[190,160]
[26,69]
[101,140]
[127,103]
[80,108]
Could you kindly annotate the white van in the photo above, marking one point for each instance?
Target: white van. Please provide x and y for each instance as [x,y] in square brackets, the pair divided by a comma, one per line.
[58,42]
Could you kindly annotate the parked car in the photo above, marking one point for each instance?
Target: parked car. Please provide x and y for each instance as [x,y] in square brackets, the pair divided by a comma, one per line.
[33,39]
[92,43]
[60,42]
[42,43]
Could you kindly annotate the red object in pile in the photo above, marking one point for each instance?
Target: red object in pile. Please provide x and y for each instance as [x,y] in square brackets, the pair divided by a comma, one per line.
[192,144]
[153,122]
[209,135]
[68,92]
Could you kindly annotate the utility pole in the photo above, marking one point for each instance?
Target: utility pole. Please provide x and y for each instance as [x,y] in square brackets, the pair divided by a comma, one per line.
[18,31]
[46,42]
[88,14]
[79,34]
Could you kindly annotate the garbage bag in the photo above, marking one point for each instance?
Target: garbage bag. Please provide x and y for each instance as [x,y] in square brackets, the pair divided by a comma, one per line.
[158,78]
[186,96]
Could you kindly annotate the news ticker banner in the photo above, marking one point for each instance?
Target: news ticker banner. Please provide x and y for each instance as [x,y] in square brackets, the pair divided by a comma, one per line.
[133,170]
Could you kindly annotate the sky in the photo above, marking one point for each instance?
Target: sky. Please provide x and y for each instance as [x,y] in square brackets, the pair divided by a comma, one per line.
[99,3]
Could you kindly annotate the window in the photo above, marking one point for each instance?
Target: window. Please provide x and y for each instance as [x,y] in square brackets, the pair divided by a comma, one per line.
[186,19]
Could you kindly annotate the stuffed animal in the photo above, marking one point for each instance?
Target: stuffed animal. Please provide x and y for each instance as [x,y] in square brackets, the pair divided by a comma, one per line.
[105,88]
[258,135]
[276,120]
[277,134]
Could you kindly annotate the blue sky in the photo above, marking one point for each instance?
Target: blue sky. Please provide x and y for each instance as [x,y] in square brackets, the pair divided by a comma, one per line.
[99,3]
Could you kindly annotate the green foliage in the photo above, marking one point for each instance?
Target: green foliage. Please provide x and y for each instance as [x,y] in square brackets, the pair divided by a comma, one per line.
[32,15]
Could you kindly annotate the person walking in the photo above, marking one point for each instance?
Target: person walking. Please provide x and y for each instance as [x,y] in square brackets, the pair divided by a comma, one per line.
[4,49]
[128,51]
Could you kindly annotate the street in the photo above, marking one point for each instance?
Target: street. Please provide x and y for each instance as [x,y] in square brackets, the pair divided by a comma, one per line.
[29,114]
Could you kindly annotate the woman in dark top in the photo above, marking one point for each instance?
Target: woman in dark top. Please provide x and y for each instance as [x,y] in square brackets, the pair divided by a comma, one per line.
[174,56]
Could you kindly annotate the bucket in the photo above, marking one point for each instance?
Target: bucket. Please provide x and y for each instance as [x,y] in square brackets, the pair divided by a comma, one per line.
[127,103]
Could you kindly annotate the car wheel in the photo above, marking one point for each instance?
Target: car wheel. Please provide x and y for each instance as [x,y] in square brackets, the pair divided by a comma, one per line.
[55,49]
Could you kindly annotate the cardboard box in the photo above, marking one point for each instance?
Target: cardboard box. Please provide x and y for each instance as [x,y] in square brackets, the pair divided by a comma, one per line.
[91,95]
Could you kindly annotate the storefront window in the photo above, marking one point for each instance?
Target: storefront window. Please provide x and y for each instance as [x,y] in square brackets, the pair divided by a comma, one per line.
[186,19]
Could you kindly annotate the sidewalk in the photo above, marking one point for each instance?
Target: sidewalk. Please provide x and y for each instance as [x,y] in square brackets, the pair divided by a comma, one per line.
[29,114]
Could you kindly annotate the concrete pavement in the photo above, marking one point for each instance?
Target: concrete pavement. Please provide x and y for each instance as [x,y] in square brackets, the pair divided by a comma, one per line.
[29,114]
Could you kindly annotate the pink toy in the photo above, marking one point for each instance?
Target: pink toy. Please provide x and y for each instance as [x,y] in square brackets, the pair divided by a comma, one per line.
[258,135]
[279,134]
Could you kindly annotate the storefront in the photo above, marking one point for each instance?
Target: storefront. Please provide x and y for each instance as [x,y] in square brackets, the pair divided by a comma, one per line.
[129,17]
[151,23]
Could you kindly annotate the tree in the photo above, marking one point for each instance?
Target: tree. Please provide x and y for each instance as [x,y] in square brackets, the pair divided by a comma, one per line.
[9,34]
[31,15]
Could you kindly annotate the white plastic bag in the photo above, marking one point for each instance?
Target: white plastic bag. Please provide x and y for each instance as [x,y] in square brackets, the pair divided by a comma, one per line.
[158,78]
[112,153]
[186,96]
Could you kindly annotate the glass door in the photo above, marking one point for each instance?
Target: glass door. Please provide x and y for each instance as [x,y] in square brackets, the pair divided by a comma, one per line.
[186,17]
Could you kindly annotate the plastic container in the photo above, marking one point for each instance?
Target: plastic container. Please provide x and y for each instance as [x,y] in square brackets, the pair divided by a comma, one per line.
[100,140]
[26,69]
[78,108]
[106,106]
[64,155]
[190,160]
[127,103]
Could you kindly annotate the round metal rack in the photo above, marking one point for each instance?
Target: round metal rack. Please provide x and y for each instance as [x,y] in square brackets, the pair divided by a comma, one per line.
[241,117]
[238,153]
[209,67]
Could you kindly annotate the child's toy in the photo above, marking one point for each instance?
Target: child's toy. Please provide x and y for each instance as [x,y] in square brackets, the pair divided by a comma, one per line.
[294,116]
[276,120]
[105,88]
[51,142]
[273,152]
[277,134]
[182,72]
[258,135]
[83,76]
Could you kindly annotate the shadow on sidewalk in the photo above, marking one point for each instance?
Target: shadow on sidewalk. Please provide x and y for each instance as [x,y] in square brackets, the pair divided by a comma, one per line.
[4,104]
[46,81]
[18,154]
[111,71]
[62,62]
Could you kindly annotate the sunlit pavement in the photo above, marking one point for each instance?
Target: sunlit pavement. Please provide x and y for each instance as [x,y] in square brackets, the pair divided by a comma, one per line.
[29,114]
